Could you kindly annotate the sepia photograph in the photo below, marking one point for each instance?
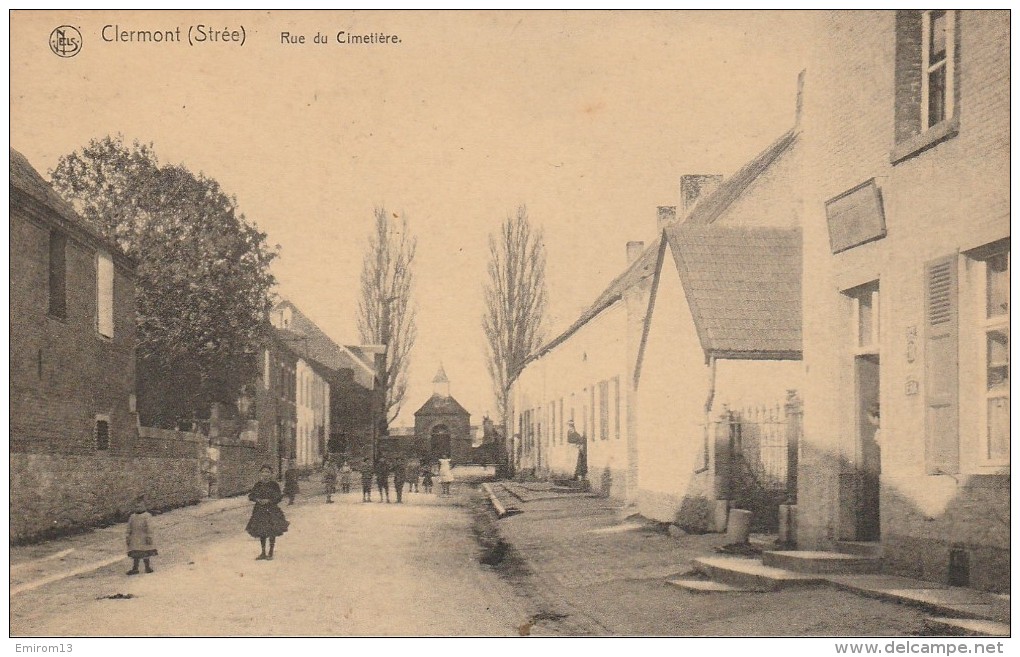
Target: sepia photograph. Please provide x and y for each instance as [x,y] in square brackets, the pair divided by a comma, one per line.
[586,323]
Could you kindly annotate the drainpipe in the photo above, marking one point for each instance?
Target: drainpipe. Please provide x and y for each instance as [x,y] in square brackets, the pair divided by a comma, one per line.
[708,411]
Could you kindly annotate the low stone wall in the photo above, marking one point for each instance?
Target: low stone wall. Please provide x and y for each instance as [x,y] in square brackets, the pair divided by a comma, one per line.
[57,494]
[237,469]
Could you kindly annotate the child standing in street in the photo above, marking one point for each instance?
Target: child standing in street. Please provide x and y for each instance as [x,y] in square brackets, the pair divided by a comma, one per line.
[290,483]
[267,520]
[426,478]
[366,481]
[140,544]
[445,476]
[329,480]
[346,474]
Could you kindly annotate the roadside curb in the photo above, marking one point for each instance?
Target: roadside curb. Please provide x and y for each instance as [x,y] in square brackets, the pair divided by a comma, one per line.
[502,511]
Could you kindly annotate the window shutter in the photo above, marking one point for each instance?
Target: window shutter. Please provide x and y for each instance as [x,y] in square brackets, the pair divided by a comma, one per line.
[942,432]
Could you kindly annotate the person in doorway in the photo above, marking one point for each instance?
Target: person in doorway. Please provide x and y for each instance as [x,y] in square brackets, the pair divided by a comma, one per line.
[574,438]
[382,478]
[329,475]
[445,476]
[346,475]
[140,544]
[366,480]
[875,419]
[290,482]
[267,521]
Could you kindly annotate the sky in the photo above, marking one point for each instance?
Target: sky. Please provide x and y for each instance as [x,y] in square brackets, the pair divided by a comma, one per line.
[587,118]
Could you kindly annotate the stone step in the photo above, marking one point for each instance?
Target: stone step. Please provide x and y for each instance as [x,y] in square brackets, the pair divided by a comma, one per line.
[708,586]
[860,548]
[937,626]
[752,574]
[829,563]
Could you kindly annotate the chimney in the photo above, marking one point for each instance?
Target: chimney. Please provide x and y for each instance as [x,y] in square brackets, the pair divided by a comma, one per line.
[667,215]
[634,251]
[694,187]
[800,99]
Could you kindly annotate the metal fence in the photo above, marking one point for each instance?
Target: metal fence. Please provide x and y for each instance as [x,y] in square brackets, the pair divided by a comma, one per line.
[757,452]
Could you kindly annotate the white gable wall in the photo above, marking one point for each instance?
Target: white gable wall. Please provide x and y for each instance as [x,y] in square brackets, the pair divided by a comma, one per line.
[672,389]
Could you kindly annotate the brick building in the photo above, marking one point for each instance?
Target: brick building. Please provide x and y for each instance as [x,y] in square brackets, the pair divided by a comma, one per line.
[442,427]
[76,455]
[906,292]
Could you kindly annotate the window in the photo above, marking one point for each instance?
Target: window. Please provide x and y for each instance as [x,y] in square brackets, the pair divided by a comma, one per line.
[266,381]
[561,426]
[995,338]
[104,294]
[866,317]
[58,275]
[616,407]
[102,432]
[552,422]
[927,58]
[604,410]
[936,67]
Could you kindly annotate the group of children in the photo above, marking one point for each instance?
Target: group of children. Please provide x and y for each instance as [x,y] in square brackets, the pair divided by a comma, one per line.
[268,522]
[417,476]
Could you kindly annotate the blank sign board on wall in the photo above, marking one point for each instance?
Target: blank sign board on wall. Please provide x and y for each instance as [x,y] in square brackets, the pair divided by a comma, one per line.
[855,217]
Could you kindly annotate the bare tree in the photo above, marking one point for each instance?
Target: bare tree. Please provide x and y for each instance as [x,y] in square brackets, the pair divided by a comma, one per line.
[385,312]
[515,298]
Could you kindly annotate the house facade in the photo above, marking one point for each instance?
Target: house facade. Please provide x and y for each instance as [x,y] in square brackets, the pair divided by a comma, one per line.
[316,395]
[584,375]
[723,333]
[76,457]
[906,263]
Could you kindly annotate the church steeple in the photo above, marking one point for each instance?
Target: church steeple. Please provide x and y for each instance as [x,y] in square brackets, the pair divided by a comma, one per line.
[441,384]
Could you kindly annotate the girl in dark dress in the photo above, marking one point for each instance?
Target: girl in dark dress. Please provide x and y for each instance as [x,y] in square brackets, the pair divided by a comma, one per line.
[267,520]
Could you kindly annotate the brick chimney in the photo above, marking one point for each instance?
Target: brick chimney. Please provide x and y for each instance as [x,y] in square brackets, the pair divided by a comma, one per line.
[634,251]
[800,100]
[694,187]
[667,215]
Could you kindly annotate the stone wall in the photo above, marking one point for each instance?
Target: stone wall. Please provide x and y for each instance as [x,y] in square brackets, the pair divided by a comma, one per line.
[56,494]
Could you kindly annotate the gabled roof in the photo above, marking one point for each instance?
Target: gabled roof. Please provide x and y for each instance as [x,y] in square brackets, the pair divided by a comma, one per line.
[309,341]
[643,267]
[24,178]
[441,405]
[743,287]
[708,209]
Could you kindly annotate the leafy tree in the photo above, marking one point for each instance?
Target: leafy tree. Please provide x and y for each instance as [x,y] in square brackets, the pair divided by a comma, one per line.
[385,312]
[203,280]
[515,299]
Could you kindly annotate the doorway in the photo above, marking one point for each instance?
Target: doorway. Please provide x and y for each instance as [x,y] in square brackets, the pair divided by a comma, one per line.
[439,442]
[869,464]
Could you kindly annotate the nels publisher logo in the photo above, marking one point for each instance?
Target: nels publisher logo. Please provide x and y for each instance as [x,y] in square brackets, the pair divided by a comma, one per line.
[65,41]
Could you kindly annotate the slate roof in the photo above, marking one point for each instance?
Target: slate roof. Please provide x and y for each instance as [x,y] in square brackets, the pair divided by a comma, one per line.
[743,287]
[26,179]
[708,209]
[309,341]
[440,405]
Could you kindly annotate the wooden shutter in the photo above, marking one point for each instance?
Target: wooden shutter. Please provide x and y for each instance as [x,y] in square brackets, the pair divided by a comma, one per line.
[941,366]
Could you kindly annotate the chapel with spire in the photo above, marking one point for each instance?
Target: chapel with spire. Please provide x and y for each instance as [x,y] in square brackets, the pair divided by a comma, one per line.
[442,427]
